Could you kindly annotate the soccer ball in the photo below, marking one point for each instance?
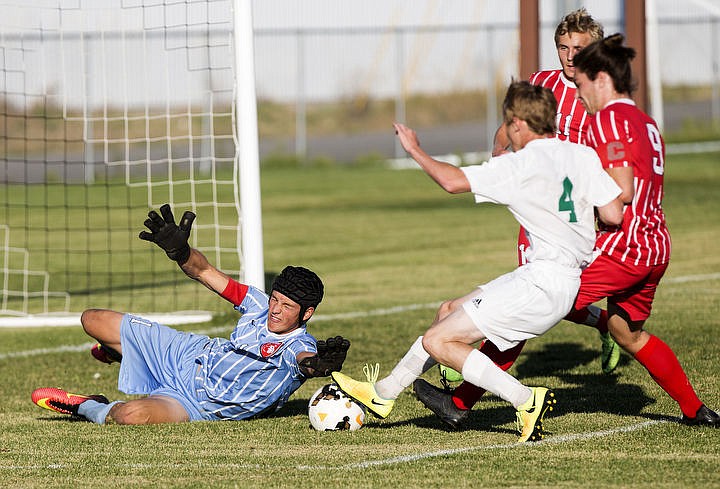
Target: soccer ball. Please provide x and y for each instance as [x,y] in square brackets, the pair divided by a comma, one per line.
[331,410]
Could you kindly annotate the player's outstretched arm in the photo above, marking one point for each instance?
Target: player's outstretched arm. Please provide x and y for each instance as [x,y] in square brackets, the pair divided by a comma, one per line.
[451,178]
[197,267]
[329,358]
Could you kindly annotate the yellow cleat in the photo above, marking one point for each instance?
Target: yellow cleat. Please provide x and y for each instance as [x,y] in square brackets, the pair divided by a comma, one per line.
[364,392]
[530,415]
[610,354]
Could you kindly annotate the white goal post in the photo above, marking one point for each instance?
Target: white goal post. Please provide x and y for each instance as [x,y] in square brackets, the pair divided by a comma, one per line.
[110,108]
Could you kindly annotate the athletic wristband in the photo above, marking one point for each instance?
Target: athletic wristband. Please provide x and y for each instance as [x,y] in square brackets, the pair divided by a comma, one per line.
[234,292]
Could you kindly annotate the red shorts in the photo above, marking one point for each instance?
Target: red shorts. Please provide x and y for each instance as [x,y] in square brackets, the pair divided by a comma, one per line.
[630,287]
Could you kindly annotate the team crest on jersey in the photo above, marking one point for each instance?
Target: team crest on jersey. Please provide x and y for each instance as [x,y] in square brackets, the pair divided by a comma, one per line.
[269,349]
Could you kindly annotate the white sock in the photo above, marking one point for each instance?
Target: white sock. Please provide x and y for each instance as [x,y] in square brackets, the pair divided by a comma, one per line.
[95,411]
[415,363]
[480,371]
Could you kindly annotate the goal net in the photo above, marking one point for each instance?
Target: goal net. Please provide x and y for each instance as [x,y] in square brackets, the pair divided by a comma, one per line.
[110,108]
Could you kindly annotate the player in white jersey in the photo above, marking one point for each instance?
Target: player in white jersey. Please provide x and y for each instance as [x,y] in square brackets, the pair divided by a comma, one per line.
[576,30]
[552,188]
[189,377]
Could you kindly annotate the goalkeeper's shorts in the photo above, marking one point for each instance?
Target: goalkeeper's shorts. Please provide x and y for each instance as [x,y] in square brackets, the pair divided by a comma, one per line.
[158,360]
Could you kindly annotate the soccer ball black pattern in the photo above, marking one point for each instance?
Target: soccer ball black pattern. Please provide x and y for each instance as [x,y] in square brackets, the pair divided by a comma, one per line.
[330,409]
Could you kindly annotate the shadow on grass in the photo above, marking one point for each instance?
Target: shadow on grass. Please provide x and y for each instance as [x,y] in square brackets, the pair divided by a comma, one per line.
[293,407]
[62,418]
[593,392]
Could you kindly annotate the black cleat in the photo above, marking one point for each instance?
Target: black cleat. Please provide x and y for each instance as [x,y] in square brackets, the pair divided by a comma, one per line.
[440,402]
[105,354]
[704,417]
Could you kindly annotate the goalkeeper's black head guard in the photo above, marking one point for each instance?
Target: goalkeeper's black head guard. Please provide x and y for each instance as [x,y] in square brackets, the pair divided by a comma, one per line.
[301,285]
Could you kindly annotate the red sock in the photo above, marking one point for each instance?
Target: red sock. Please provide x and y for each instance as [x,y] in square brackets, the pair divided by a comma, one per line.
[580,316]
[466,394]
[665,369]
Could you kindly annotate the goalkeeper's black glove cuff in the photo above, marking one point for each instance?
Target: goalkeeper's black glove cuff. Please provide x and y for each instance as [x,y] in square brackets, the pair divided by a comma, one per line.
[180,255]
[310,366]
[330,356]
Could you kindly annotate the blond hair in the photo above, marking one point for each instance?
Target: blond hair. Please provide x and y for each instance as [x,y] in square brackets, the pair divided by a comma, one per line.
[533,104]
[579,21]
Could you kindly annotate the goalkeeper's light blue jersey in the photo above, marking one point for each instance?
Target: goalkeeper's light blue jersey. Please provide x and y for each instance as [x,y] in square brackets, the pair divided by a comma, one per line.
[255,371]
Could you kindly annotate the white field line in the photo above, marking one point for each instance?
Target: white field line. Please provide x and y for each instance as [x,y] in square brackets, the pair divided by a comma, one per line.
[227,329]
[505,446]
[375,312]
[319,318]
[477,157]
[66,466]
[691,278]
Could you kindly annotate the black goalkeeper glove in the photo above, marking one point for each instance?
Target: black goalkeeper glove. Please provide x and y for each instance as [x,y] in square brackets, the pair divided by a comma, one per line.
[330,356]
[173,239]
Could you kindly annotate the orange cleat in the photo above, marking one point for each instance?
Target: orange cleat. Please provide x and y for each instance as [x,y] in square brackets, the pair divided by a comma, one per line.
[61,401]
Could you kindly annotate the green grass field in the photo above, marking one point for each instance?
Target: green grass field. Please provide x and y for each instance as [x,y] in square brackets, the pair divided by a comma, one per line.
[385,239]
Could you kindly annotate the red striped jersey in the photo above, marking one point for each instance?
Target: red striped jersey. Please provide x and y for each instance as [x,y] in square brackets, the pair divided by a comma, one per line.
[571,119]
[624,136]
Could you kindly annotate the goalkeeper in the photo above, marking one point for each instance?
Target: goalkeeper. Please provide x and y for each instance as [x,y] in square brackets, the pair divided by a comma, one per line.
[190,377]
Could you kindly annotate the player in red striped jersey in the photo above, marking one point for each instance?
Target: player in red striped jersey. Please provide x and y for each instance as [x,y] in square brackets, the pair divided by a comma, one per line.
[571,117]
[630,145]
[634,256]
